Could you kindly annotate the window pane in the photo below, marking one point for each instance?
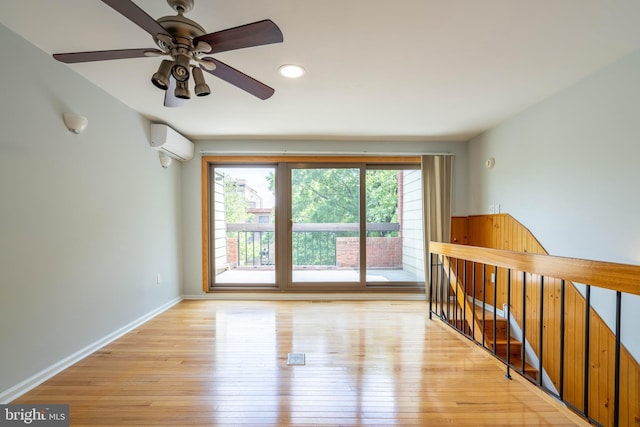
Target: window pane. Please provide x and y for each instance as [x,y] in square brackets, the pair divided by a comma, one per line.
[394,226]
[244,217]
[325,234]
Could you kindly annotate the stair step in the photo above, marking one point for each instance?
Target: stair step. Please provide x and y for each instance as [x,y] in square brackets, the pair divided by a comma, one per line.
[528,369]
[501,341]
[489,320]
[515,348]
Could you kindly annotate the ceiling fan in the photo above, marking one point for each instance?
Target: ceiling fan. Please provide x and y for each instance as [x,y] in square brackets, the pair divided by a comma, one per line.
[187,43]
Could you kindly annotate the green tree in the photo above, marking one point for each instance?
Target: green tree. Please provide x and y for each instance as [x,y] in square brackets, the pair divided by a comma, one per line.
[325,195]
[235,203]
[332,195]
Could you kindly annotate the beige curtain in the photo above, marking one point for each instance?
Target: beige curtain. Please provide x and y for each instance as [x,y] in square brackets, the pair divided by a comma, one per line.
[436,204]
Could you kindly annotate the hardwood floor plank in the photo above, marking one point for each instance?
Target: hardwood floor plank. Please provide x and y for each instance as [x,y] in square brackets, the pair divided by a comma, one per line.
[224,363]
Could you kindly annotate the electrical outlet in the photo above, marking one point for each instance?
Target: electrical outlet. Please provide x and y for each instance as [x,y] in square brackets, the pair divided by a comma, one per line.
[492,209]
[158,279]
[493,277]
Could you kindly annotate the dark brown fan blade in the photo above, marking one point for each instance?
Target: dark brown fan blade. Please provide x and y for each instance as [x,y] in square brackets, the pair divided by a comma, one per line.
[239,79]
[105,55]
[255,34]
[138,16]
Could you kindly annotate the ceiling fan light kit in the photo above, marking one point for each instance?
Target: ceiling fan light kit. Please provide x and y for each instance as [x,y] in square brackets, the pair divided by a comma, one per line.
[161,77]
[182,90]
[186,43]
[201,88]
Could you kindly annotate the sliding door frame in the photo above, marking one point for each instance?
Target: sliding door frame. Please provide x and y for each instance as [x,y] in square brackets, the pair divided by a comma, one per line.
[283,215]
[359,285]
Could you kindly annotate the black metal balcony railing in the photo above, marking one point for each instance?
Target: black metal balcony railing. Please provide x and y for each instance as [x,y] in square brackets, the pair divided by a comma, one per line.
[254,245]
[314,248]
[312,244]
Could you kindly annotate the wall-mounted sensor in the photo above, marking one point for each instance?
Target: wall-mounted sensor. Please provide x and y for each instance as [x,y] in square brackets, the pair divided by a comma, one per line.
[75,122]
[165,160]
[490,163]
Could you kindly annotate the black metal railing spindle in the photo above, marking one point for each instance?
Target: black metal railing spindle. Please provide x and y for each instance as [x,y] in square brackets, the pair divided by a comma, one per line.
[455,306]
[495,308]
[238,247]
[431,256]
[587,321]
[616,375]
[253,248]
[524,322]
[541,332]
[562,326]
[304,240]
[247,257]
[473,298]
[442,288]
[508,375]
[464,284]
[484,303]
[335,248]
[448,287]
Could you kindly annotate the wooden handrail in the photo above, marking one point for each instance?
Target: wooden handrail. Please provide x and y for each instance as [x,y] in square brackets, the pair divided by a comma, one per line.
[617,277]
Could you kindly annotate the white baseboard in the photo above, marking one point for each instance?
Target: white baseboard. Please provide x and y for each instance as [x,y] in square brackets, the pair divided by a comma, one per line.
[37,379]
[305,296]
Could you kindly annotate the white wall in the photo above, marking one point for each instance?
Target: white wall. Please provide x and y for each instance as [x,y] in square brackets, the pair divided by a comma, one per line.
[86,221]
[191,178]
[568,169]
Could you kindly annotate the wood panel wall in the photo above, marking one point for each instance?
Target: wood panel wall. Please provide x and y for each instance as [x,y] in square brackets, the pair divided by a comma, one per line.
[503,232]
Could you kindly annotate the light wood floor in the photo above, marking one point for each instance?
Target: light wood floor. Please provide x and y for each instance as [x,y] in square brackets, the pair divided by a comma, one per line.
[224,363]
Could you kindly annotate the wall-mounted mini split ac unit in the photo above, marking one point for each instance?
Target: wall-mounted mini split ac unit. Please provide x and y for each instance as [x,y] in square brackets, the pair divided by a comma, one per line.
[170,142]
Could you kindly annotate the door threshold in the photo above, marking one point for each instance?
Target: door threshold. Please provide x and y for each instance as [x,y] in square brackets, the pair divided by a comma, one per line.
[305,296]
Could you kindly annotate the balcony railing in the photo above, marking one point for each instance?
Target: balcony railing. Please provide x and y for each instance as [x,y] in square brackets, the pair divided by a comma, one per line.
[250,245]
[313,244]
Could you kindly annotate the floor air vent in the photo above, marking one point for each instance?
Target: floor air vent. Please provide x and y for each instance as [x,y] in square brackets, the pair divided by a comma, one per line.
[295,359]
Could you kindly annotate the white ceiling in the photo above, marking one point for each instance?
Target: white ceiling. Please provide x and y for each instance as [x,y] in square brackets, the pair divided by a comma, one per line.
[409,69]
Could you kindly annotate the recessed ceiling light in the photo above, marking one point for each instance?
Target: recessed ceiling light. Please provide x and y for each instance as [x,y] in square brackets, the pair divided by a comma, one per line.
[291,71]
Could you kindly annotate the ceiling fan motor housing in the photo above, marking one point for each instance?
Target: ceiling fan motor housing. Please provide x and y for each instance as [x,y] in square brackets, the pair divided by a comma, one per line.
[184,30]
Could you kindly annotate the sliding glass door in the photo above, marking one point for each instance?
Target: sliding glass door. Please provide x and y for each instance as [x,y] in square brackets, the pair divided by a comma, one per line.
[394,246]
[314,226]
[325,224]
[244,225]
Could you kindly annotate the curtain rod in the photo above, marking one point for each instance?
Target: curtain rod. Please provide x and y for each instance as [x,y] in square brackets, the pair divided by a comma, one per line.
[323,153]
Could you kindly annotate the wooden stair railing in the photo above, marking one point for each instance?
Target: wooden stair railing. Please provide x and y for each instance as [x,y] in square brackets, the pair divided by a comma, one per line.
[594,374]
[487,329]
